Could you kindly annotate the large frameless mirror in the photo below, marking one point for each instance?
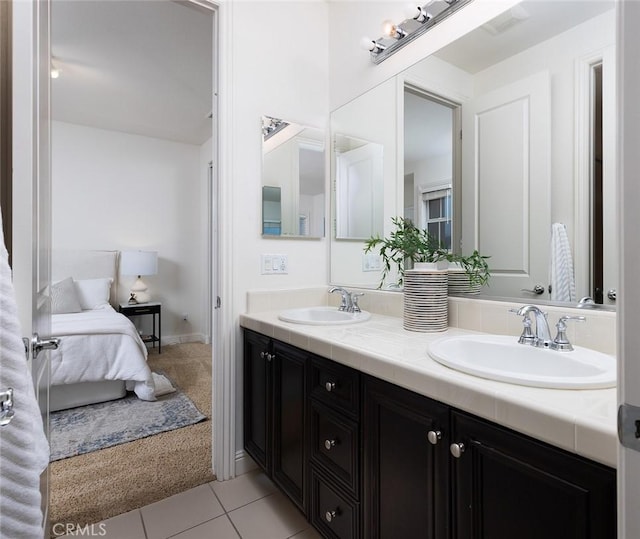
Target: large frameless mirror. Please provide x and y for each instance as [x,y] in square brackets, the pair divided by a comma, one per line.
[528,150]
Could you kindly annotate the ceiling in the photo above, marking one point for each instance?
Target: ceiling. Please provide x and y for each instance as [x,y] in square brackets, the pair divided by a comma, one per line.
[517,29]
[142,67]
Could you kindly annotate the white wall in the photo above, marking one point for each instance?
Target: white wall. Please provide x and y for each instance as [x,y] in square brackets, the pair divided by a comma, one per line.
[119,191]
[279,67]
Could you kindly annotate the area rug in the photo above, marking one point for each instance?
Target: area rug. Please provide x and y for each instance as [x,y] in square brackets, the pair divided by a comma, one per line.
[88,428]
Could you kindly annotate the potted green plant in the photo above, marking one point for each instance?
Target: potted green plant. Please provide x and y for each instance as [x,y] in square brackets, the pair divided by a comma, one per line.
[408,244]
[404,247]
[475,267]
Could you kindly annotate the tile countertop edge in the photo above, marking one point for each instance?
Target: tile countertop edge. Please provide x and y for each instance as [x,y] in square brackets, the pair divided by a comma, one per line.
[580,421]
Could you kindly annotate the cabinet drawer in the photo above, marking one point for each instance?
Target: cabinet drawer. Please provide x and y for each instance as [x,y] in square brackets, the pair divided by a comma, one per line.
[336,385]
[334,446]
[333,513]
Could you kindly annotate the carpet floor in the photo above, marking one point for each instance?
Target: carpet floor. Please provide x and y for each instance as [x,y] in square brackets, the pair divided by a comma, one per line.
[98,485]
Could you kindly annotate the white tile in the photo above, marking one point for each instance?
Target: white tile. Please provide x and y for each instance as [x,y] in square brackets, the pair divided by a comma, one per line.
[272,517]
[243,489]
[597,440]
[533,418]
[218,528]
[180,512]
[125,526]
[309,533]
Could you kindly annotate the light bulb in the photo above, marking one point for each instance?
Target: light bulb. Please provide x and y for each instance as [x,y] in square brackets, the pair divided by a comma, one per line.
[417,13]
[392,30]
[368,44]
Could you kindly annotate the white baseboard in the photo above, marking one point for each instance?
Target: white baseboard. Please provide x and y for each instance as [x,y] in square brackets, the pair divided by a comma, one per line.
[244,463]
[181,339]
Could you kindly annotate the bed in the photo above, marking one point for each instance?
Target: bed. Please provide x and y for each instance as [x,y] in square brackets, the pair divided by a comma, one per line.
[100,355]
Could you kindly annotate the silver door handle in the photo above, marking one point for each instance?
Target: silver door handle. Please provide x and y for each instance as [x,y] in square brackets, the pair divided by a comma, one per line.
[38,344]
[6,407]
[537,289]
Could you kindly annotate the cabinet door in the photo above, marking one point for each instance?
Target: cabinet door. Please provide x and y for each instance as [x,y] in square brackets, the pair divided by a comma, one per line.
[509,485]
[405,492]
[257,398]
[289,412]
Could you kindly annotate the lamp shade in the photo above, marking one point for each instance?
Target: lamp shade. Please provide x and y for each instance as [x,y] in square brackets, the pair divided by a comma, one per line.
[139,262]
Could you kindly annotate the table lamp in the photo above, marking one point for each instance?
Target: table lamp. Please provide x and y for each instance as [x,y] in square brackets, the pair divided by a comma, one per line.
[139,263]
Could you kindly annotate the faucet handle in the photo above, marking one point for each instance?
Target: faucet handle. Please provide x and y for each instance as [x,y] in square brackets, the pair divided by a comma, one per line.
[527,336]
[561,343]
[354,301]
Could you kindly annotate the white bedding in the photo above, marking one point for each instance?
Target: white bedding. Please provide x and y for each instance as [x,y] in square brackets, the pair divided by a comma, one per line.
[97,345]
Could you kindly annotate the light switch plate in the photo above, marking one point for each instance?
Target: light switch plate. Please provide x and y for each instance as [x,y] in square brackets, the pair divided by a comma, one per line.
[371,262]
[274,264]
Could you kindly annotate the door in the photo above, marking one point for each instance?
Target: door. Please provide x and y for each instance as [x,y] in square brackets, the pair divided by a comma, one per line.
[358,194]
[405,488]
[628,321]
[31,186]
[509,485]
[289,413]
[506,156]
[257,398]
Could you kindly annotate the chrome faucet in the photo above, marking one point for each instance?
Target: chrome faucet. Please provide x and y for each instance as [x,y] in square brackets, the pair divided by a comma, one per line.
[542,336]
[347,302]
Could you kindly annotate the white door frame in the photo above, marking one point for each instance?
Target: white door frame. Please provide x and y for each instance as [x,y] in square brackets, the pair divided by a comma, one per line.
[225,334]
[628,115]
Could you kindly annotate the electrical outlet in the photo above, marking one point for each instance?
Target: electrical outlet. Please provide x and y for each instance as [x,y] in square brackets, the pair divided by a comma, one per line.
[185,316]
[274,264]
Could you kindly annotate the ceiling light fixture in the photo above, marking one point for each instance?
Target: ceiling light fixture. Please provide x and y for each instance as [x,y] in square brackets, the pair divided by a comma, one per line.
[419,20]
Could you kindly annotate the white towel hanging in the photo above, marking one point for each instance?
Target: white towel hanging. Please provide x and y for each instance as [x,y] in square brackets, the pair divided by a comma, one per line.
[24,450]
[561,276]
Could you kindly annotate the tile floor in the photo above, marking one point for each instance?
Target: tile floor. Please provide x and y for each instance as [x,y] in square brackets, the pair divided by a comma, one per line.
[247,507]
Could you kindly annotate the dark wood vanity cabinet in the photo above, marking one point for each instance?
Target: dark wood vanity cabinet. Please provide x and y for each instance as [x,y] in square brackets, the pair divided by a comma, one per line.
[364,458]
[275,408]
[506,484]
[406,463]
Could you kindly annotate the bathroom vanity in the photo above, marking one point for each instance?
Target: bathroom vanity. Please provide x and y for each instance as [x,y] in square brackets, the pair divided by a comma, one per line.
[371,438]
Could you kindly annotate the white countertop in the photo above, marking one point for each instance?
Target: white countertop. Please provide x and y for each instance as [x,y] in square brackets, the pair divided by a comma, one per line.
[580,421]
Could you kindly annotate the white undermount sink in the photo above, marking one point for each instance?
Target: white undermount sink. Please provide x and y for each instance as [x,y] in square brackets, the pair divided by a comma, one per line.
[501,358]
[322,316]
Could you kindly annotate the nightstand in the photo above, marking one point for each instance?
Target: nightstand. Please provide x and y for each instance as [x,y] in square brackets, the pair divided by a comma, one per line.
[142,309]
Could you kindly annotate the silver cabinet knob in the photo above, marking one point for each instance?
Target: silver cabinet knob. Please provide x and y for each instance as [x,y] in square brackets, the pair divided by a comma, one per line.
[270,357]
[263,355]
[330,515]
[434,436]
[457,450]
[612,294]
[330,386]
[328,444]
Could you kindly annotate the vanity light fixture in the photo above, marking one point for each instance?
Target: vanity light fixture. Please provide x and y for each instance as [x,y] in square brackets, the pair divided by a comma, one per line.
[271,126]
[419,19]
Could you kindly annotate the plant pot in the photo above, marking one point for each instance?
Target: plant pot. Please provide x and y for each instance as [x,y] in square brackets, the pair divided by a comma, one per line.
[441,265]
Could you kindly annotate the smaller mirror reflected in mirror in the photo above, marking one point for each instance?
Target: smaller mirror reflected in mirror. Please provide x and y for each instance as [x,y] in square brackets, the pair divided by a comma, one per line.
[293,179]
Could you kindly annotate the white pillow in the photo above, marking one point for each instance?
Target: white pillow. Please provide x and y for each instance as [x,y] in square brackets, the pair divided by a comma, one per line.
[64,298]
[93,293]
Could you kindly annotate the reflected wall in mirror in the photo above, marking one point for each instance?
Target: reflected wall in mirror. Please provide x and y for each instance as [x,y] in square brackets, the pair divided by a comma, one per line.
[293,179]
[523,84]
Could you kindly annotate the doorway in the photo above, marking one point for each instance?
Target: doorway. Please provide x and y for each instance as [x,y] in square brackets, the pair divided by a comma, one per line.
[133,164]
[432,165]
